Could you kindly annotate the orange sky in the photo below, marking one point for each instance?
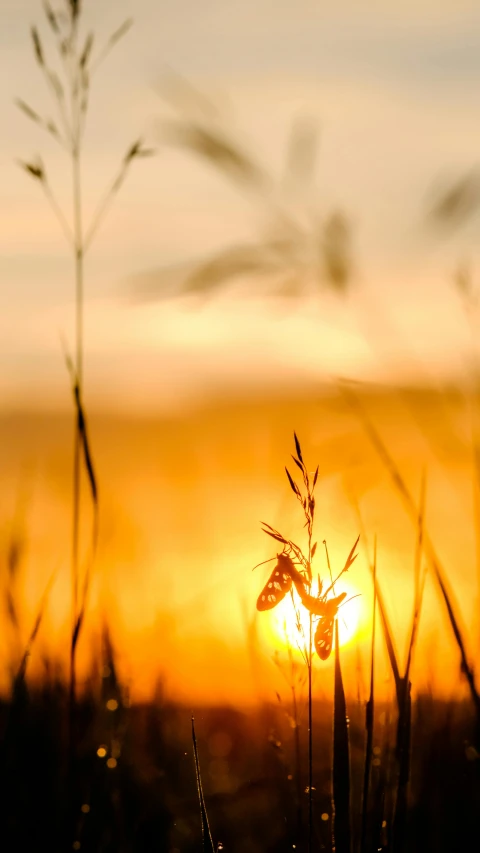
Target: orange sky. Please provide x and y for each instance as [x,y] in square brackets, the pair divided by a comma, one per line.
[193,407]
[181,502]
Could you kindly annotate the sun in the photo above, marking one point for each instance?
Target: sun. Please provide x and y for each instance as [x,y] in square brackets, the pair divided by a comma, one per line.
[284,618]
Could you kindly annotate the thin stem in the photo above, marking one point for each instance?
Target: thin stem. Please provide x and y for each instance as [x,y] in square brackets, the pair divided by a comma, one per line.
[369,712]
[310,700]
[104,204]
[58,212]
[79,300]
[298,757]
[206,833]
[310,737]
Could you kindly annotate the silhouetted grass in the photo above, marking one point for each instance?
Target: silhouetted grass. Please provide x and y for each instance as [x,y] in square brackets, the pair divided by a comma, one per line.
[341,761]
[436,567]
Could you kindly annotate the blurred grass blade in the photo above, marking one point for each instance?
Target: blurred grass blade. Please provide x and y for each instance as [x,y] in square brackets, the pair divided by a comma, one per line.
[458,202]
[404,725]
[112,41]
[82,427]
[337,252]
[419,581]
[82,430]
[227,265]
[341,761]
[429,550]
[79,614]
[389,640]
[213,146]
[22,669]
[183,96]
[301,154]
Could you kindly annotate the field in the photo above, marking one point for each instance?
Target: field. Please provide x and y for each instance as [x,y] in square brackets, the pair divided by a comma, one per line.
[240,431]
[172,616]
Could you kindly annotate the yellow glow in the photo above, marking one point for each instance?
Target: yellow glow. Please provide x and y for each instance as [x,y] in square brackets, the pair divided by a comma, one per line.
[199,624]
[284,618]
[101,752]
[112,705]
[112,763]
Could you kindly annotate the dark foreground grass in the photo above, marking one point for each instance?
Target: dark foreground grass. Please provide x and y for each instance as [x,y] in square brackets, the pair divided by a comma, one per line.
[139,793]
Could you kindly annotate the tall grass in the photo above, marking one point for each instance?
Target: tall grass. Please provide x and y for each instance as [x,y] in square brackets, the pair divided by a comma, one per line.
[437,570]
[69,80]
[283,580]
[402,686]
[307,501]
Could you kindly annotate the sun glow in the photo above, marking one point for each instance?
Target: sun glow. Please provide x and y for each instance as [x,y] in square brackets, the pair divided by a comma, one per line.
[290,624]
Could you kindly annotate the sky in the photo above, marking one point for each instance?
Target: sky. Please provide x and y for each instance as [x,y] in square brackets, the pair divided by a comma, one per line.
[181,499]
[394,91]
[395,94]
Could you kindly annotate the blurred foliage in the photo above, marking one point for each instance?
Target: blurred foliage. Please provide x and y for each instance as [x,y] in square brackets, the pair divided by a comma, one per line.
[292,253]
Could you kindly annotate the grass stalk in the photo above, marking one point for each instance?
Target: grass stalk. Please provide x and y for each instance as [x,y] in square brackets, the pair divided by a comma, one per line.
[284,575]
[207,840]
[71,96]
[310,736]
[404,726]
[291,675]
[298,760]
[369,716]
[341,761]
[70,93]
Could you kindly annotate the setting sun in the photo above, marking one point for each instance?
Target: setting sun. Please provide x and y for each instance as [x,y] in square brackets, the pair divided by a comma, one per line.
[284,620]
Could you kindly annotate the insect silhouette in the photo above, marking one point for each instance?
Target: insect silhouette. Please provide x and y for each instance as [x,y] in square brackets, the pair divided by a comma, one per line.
[280,583]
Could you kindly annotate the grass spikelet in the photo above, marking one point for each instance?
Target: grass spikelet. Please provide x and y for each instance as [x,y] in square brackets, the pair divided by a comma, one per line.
[336,246]
[51,17]
[28,111]
[37,47]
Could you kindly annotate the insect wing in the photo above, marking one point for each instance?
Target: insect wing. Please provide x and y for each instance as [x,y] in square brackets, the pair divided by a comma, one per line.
[276,588]
[324,637]
[324,632]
